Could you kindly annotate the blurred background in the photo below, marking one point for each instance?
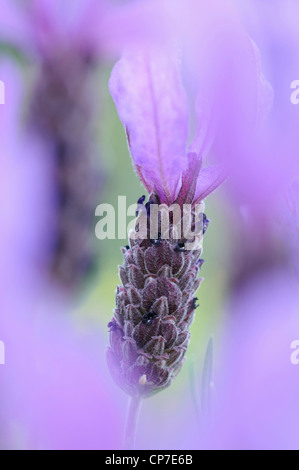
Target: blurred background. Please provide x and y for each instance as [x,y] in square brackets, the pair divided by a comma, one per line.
[63,152]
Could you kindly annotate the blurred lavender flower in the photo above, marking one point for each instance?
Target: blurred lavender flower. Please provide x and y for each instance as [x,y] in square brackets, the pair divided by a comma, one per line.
[54,389]
[54,394]
[68,41]
[234,95]
[262,174]
[24,185]
[274,156]
[258,404]
[61,113]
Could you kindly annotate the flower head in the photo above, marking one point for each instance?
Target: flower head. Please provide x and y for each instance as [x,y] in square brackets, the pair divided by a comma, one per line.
[155,306]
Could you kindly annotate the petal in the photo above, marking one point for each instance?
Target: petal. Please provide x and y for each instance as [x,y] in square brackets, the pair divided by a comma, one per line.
[203,140]
[208,180]
[152,105]
[189,180]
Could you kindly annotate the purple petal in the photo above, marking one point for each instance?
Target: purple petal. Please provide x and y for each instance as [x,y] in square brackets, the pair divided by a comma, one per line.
[189,180]
[208,180]
[152,105]
[203,140]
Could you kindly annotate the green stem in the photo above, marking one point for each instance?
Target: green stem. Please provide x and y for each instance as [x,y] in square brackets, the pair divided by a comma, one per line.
[131,424]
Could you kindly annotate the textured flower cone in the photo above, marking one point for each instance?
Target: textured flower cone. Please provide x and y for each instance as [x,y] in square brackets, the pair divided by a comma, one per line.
[62,112]
[155,305]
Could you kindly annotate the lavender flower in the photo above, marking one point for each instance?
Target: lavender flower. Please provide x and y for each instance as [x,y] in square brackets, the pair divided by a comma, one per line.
[155,305]
[67,41]
[62,112]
